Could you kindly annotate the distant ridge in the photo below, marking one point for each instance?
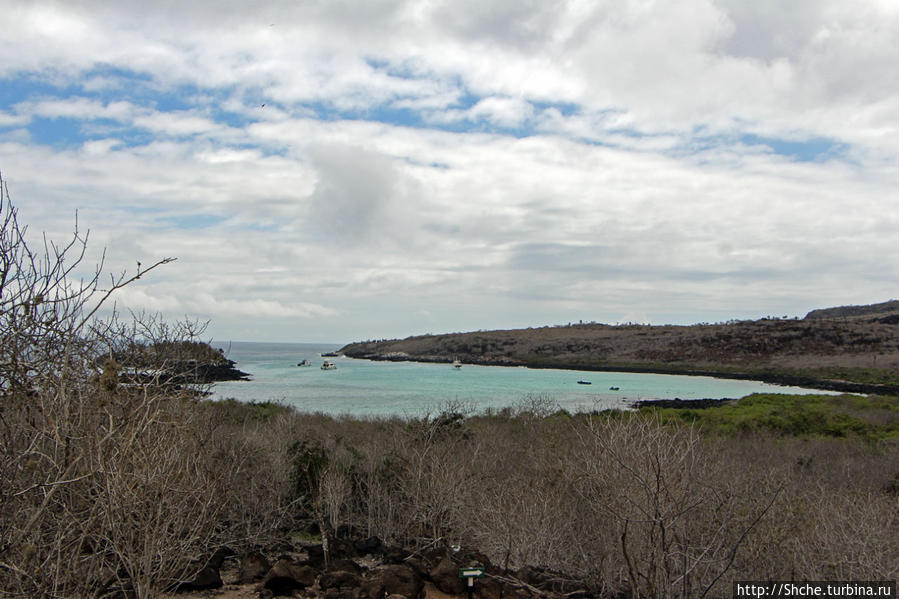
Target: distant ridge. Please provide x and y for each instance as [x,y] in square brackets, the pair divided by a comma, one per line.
[847,311]
[849,348]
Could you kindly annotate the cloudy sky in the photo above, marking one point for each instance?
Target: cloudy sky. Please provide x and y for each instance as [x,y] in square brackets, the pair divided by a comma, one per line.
[335,170]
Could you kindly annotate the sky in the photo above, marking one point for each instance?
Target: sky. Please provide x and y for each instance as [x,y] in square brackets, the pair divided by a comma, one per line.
[336,170]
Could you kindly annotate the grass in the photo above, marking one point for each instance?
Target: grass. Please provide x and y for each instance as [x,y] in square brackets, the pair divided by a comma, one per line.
[872,418]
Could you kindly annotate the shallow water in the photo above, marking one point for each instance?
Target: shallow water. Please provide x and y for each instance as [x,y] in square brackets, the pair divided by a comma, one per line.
[363,387]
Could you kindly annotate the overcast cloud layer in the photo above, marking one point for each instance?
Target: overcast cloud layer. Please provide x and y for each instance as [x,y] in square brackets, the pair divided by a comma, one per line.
[338,170]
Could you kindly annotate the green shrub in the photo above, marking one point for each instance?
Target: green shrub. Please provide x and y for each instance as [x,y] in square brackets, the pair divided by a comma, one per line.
[874,418]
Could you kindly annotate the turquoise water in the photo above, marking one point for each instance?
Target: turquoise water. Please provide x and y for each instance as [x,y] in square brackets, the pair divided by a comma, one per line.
[363,387]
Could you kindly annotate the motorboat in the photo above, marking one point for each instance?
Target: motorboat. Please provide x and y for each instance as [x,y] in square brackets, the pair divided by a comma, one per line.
[584,383]
[304,363]
[457,364]
[326,365]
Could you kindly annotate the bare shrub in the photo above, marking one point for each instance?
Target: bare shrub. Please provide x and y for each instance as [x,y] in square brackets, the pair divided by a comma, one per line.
[621,502]
[106,478]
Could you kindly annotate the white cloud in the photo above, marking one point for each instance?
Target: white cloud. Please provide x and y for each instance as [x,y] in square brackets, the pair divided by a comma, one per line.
[503,112]
[632,185]
[12,120]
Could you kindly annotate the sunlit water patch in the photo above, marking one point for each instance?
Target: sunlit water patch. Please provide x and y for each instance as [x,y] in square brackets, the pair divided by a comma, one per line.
[363,387]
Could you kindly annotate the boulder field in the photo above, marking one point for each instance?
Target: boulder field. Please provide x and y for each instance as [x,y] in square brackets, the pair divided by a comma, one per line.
[366,568]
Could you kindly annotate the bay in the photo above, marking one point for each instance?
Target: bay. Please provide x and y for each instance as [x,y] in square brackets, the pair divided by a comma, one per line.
[411,389]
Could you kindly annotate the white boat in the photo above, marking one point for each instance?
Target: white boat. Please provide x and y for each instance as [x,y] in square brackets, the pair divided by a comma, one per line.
[326,365]
[304,363]
[457,364]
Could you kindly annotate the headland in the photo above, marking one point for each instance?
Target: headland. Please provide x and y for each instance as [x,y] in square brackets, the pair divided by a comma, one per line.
[850,349]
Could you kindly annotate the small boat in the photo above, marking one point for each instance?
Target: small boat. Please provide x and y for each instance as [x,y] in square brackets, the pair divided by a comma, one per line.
[326,365]
[457,364]
[614,388]
[304,363]
[330,354]
[584,383]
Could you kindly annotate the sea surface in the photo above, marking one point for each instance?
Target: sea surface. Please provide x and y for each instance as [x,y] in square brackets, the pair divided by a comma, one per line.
[411,389]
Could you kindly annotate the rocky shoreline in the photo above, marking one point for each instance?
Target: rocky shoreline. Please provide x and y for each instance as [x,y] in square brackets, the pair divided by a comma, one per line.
[221,371]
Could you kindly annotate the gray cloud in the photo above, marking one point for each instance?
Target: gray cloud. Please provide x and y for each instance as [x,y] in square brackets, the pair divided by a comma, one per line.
[628,187]
[357,198]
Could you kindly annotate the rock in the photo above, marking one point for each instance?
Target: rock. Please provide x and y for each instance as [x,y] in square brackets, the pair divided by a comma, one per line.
[490,588]
[369,545]
[208,577]
[253,567]
[395,555]
[285,576]
[392,580]
[339,579]
[434,554]
[347,565]
[341,548]
[445,576]
[218,558]
[421,567]
[316,555]
[468,557]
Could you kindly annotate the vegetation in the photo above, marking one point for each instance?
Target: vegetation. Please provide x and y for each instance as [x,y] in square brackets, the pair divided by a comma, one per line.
[869,418]
[113,485]
[632,502]
[110,477]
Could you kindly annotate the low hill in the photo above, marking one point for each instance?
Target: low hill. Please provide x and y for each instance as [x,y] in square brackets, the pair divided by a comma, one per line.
[890,308]
[833,352]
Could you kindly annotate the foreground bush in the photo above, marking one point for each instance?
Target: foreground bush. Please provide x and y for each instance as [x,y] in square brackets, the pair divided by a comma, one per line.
[110,477]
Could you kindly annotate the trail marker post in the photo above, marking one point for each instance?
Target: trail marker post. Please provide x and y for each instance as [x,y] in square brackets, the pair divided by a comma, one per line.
[471,573]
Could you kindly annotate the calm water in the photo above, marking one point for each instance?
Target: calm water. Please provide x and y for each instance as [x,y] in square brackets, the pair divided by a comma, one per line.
[362,387]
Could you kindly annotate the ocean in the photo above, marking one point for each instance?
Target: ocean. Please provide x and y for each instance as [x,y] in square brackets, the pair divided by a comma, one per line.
[412,389]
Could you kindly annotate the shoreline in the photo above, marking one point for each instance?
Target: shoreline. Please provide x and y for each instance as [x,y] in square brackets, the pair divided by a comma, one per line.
[787,380]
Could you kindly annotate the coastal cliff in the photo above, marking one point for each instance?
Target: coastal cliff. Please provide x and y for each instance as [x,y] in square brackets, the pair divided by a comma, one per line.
[854,349]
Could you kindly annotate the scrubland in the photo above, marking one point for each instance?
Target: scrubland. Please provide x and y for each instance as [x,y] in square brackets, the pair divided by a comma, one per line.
[118,479]
[118,488]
